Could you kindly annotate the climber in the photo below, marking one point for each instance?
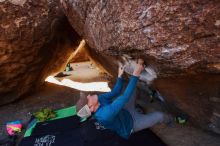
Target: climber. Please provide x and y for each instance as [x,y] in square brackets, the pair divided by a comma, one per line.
[119,114]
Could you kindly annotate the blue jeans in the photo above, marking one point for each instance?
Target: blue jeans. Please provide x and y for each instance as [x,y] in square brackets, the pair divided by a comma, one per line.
[143,121]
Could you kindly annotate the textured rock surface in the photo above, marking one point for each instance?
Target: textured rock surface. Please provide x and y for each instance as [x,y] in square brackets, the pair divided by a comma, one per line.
[176,38]
[172,35]
[27,55]
[198,96]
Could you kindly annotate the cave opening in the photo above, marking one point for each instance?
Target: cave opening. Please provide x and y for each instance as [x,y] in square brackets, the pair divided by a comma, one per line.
[81,72]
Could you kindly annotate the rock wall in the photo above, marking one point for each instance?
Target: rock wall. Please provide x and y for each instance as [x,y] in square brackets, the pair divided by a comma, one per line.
[196,95]
[179,40]
[33,35]
[172,35]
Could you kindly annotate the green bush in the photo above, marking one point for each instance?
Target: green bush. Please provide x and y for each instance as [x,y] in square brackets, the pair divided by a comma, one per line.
[45,114]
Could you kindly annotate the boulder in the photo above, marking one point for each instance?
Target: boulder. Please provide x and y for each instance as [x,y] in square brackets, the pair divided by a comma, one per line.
[179,41]
[197,95]
[35,41]
[176,37]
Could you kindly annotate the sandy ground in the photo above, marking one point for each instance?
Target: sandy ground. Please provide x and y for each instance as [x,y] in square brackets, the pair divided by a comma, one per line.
[56,97]
[85,72]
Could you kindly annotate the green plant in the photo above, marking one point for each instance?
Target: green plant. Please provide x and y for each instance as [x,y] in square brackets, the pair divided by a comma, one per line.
[45,114]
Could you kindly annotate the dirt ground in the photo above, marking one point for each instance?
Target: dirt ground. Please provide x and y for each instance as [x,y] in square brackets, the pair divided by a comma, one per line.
[56,97]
